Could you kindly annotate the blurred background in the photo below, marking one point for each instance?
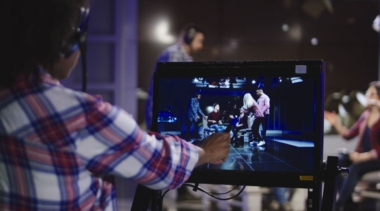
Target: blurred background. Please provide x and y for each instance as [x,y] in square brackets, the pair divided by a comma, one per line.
[125,38]
[339,32]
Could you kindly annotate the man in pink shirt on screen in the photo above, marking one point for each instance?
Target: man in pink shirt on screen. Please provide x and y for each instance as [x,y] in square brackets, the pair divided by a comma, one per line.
[263,105]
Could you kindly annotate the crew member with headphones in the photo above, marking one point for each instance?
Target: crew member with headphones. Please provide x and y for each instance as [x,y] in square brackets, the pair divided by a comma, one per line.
[57,144]
[190,42]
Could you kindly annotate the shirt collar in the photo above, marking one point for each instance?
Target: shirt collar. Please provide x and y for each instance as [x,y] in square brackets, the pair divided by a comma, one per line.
[46,77]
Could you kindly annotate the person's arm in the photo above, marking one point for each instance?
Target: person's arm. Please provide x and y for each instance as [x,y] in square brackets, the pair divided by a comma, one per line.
[266,104]
[256,110]
[112,143]
[200,110]
[210,119]
[357,157]
[193,105]
[346,133]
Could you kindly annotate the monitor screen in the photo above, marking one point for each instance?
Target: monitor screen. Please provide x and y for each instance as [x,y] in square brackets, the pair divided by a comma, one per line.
[273,111]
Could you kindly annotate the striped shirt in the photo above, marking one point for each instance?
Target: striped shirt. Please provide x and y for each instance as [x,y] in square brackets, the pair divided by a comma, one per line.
[56,144]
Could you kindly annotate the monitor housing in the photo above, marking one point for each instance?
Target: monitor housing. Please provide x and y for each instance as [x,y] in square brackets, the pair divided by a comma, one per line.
[293,150]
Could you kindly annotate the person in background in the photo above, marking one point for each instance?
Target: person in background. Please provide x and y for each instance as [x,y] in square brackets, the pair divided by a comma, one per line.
[365,158]
[57,144]
[214,119]
[281,199]
[242,123]
[263,103]
[251,108]
[190,42]
[193,115]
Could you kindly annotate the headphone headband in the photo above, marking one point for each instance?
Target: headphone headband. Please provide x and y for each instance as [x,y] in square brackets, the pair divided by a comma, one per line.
[79,36]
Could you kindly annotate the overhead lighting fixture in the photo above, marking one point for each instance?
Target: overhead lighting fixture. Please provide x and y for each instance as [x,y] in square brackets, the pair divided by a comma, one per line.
[376,24]
[161,32]
[345,99]
[296,80]
[314,41]
[295,32]
[285,27]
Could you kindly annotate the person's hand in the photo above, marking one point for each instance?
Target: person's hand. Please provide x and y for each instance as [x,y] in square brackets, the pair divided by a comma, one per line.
[198,117]
[331,117]
[356,157]
[220,122]
[214,149]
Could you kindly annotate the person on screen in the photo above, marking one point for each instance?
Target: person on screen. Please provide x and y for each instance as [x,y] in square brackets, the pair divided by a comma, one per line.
[251,107]
[263,104]
[194,114]
[241,124]
[57,144]
[365,158]
[214,119]
[190,42]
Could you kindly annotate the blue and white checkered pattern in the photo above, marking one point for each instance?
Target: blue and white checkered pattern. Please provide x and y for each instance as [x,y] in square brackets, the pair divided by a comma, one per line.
[56,144]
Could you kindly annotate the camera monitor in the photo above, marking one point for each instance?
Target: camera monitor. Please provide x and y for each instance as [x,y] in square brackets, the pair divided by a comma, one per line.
[273,111]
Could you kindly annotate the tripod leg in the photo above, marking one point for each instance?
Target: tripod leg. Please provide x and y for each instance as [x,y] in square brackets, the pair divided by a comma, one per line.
[330,178]
[142,198]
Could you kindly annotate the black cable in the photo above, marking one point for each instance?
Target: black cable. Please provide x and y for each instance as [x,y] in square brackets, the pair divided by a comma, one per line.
[211,194]
[197,187]
[83,49]
[165,193]
[204,191]
[225,192]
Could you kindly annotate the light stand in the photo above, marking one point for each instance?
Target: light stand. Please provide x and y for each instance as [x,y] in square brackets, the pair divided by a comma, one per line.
[330,171]
[144,197]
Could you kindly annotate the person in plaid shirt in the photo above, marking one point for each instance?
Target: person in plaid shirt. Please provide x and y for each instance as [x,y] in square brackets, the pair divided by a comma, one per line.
[56,144]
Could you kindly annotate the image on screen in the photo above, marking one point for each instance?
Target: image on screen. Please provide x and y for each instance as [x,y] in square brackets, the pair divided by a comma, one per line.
[279,139]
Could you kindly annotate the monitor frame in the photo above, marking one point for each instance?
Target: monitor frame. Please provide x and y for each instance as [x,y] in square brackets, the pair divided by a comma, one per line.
[315,68]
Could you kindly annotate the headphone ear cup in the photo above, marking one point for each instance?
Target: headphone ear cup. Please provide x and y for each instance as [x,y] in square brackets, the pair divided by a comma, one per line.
[189,36]
[79,37]
[73,44]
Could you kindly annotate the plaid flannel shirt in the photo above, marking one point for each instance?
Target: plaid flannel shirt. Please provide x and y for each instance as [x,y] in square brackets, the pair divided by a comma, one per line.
[56,144]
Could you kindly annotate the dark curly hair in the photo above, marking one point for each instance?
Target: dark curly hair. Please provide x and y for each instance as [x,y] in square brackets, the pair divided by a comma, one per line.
[32,33]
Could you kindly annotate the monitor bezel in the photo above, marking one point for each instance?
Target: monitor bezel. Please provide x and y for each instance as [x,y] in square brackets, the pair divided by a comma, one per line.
[266,68]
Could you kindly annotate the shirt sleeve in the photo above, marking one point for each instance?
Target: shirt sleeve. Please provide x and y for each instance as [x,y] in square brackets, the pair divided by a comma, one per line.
[112,143]
[354,130]
[194,106]
[266,104]
[200,110]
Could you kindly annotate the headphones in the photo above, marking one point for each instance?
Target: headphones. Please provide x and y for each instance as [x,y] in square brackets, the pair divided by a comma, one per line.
[79,37]
[189,33]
